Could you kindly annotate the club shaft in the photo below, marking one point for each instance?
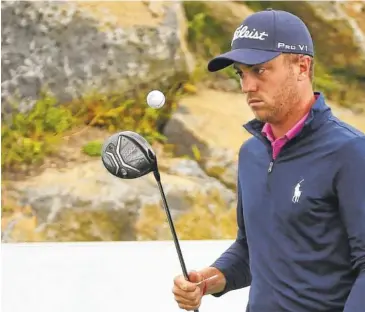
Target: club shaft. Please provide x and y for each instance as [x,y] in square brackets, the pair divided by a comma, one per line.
[172,228]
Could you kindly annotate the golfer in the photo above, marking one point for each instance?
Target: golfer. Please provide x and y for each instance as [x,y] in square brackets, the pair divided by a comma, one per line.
[300,244]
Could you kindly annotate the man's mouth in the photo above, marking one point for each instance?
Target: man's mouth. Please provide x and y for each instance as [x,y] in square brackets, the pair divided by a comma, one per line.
[255,102]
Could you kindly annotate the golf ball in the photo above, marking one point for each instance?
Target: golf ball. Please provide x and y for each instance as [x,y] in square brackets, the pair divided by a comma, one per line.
[156,99]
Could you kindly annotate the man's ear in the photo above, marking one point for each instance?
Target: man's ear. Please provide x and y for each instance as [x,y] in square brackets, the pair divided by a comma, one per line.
[304,67]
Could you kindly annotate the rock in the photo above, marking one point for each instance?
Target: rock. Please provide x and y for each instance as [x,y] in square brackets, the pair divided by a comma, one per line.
[90,192]
[228,14]
[338,11]
[222,164]
[186,167]
[227,85]
[354,13]
[213,122]
[74,48]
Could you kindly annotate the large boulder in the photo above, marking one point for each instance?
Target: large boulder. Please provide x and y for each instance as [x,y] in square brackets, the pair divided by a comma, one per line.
[74,48]
[89,195]
[345,27]
[209,126]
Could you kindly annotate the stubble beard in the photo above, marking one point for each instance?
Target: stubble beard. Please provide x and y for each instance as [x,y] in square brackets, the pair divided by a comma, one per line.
[283,103]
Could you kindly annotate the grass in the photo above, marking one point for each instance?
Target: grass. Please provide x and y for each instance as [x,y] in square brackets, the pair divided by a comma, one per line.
[27,139]
[93,148]
[206,39]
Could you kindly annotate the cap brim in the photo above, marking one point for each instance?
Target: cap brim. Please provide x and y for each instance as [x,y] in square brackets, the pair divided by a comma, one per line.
[243,56]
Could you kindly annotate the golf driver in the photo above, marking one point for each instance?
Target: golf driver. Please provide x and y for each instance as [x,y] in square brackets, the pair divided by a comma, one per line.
[127,155]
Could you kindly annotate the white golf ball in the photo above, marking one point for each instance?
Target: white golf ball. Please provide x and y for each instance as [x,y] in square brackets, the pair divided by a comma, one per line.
[156,99]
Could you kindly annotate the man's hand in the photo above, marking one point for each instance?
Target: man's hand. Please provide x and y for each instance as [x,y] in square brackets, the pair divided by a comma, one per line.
[188,294]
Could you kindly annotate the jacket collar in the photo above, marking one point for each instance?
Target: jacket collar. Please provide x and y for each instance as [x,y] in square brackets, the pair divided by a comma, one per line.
[318,114]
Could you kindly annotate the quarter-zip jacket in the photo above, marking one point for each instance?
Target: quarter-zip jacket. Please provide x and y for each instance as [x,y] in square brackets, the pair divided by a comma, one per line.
[300,244]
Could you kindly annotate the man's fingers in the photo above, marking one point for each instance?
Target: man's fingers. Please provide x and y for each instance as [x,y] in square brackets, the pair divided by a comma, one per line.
[186,294]
[195,277]
[185,301]
[188,307]
[184,284]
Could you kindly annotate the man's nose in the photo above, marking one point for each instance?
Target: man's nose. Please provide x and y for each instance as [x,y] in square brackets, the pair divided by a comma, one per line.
[248,84]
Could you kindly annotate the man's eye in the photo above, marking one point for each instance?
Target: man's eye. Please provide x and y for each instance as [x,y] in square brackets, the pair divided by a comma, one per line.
[259,70]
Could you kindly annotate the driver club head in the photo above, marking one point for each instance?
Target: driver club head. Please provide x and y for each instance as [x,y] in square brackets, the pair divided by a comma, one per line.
[127,155]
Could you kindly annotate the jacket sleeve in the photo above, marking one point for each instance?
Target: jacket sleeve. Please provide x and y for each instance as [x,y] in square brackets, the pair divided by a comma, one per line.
[350,188]
[234,262]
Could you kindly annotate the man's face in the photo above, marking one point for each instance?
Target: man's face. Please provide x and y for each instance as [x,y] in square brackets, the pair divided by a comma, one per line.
[271,88]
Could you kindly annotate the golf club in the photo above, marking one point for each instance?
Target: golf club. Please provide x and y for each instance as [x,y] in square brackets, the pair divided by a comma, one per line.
[127,155]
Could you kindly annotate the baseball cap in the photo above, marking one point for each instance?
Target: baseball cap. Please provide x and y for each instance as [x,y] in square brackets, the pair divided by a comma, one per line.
[263,36]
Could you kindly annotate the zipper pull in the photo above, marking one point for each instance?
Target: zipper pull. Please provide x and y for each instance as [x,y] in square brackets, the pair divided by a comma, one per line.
[270,167]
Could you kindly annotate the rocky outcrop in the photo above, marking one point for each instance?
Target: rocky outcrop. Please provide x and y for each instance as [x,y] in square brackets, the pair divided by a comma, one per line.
[212,122]
[74,48]
[354,13]
[349,14]
[88,190]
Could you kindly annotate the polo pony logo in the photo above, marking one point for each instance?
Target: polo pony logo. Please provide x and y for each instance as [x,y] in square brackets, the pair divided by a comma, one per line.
[244,32]
[297,192]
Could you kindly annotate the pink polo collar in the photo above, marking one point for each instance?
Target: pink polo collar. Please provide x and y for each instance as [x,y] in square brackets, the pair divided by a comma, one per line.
[267,130]
[277,144]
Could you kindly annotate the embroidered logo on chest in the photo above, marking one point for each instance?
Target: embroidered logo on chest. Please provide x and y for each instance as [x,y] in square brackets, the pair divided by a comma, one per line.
[297,192]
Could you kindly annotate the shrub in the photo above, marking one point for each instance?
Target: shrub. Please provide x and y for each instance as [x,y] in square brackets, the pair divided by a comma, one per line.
[93,148]
[27,138]
[207,37]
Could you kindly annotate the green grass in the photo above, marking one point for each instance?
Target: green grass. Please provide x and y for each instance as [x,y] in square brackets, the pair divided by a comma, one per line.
[93,148]
[28,138]
[207,38]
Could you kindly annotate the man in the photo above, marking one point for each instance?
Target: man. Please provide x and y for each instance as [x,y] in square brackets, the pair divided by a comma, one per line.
[301,184]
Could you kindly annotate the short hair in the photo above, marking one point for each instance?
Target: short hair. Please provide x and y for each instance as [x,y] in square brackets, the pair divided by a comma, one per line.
[293,58]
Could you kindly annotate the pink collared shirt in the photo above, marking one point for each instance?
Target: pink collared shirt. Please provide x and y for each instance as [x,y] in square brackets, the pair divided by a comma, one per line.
[277,144]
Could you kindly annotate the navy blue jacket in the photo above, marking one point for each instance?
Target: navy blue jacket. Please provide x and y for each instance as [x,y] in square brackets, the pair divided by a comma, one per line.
[301,219]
